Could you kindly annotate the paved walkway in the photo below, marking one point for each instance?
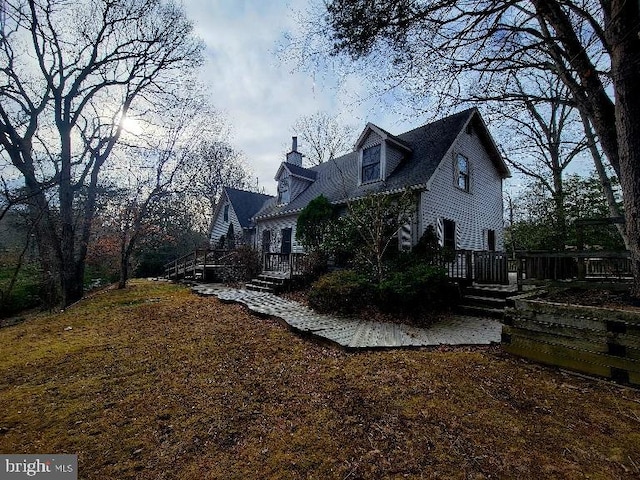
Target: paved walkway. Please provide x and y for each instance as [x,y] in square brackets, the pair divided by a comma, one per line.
[352,333]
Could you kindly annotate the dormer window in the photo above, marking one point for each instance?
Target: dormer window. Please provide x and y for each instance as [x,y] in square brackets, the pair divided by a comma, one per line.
[283,191]
[462,173]
[371,164]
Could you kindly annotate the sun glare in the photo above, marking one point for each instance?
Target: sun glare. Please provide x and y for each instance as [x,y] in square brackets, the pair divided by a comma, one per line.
[131,125]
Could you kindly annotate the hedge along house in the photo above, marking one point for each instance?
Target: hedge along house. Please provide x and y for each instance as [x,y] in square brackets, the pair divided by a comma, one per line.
[236,207]
[452,165]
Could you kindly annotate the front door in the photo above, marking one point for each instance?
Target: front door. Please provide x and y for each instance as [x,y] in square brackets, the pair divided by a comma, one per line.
[491,240]
[286,241]
[266,241]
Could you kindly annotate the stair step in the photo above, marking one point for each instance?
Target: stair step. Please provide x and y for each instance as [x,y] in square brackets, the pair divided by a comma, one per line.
[271,279]
[265,283]
[495,292]
[258,288]
[478,311]
[484,301]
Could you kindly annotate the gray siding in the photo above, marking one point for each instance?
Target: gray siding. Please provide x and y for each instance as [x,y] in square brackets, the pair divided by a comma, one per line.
[298,185]
[220,227]
[372,139]
[393,158]
[276,225]
[475,212]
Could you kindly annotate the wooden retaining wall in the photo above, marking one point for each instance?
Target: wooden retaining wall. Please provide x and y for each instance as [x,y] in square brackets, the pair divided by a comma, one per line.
[591,340]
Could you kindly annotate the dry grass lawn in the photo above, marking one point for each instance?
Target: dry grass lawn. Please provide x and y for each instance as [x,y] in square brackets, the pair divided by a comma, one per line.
[156,383]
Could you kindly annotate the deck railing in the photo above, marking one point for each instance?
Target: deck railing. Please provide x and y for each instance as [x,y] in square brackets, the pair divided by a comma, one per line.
[291,263]
[469,266]
[193,265]
[534,267]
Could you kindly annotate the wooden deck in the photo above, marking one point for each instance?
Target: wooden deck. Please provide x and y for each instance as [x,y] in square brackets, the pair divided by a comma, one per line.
[352,333]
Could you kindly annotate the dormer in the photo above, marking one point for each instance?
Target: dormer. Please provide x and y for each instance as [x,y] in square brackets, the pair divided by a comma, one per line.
[379,153]
[292,177]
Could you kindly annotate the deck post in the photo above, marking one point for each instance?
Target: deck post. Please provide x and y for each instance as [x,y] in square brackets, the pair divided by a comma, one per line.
[519,271]
[195,261]
[204,265]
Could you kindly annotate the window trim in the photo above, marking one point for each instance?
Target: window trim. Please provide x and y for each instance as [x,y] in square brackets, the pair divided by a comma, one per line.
[371,164]
[449,241]
[284,186]
[225,213]
[462,175]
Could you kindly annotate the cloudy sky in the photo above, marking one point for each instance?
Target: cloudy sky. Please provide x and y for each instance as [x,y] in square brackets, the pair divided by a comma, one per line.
[260,93]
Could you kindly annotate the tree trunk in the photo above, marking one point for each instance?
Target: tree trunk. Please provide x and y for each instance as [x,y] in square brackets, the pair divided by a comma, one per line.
[124,271]
[625,67]
[605,181]
[560,237]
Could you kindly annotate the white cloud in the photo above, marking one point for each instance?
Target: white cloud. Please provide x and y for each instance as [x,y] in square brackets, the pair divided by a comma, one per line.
[261,96]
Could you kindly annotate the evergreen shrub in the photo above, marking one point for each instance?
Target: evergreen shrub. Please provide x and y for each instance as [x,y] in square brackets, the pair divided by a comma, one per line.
[343,291]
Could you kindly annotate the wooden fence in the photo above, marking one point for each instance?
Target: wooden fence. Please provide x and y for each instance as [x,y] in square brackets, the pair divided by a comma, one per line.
[591,340]
[468,266]
[533,267]
[463,265]
[196,265]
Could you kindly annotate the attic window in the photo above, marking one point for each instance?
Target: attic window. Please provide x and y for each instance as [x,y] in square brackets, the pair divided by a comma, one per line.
[226,213]
[469,129]
[371,164]
[462,173]
[283,191]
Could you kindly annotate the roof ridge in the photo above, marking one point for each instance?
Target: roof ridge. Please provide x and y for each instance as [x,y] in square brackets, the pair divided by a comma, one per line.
[442,119]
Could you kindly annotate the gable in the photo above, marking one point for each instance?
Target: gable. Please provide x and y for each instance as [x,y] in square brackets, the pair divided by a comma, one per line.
[413,157]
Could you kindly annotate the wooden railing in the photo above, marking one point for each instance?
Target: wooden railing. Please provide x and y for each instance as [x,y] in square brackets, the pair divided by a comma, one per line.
[458,264]
[289,263]
[194,264]
[469,266]
[533,267]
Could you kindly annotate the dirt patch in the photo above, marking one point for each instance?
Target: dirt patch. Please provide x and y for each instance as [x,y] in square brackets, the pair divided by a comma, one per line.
[592,297]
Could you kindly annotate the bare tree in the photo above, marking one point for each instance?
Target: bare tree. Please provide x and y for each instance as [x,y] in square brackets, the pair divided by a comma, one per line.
[323,137]
[544,136]
[70,76]
[592,47]
[213,165]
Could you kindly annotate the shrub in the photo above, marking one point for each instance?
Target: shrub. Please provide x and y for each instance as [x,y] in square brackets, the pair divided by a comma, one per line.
[417,288]
[344,291]
[244,264]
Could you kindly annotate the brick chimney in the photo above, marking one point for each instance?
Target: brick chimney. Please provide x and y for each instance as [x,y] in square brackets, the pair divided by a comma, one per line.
[294,156]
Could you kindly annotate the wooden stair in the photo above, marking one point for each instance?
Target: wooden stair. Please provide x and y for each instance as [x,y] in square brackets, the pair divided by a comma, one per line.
[486,300]
[269,282]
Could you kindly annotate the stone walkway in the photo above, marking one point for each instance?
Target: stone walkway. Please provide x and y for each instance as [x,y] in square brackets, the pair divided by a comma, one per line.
[354,334]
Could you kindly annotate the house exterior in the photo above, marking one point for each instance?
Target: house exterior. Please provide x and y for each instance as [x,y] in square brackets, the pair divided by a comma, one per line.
[452,165]
[236,207]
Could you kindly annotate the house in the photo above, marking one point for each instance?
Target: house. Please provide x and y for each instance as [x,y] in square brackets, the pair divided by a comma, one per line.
[452,165]
[234,212]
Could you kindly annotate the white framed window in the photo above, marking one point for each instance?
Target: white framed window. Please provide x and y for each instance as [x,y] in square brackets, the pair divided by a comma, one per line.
[226,213]
[462,172]
[283,191]
[371,164]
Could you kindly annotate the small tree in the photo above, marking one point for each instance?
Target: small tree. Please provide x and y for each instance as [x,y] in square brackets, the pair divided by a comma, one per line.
[376,220]
[314,225]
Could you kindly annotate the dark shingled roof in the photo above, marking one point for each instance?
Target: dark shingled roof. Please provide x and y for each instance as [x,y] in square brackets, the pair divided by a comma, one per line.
[337,179]
[246,204]
[301,171]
